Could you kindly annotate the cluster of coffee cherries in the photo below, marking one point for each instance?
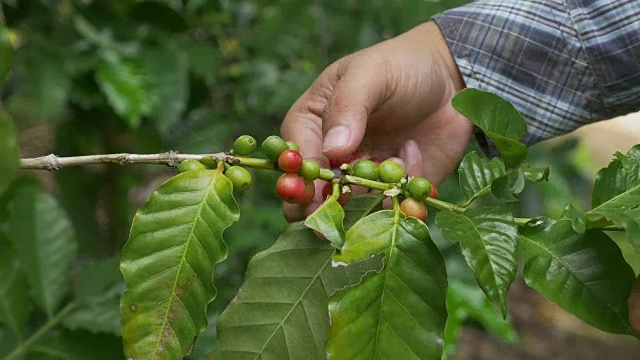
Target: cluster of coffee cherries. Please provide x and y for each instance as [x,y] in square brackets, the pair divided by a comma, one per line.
[239,176]
[414,190]
[296,184]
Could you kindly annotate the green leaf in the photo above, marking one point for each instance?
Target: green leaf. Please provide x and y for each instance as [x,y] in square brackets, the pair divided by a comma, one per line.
[9,149]
[577,217]
[616,195]
[158,15]
[508,186]
[6,53]
[44,86]
[498,119]
[477,174]
[400,311]
[585,274]
[327,220]
[360,206]
[45,244]
[126,88]
[344,275]
[14,290]
[98,297]
[203,60]
[619,177]
[283,301]
[169,81]
[534,175]
[280,311]
[167,264]
[488,237]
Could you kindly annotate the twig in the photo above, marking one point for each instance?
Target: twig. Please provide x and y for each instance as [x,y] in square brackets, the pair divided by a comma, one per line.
[52,162]
[50,324]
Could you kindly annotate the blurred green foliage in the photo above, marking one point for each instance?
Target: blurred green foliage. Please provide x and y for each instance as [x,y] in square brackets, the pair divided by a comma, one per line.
[95,76]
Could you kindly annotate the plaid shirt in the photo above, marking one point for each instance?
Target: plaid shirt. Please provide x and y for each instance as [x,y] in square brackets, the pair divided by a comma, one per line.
[562,63]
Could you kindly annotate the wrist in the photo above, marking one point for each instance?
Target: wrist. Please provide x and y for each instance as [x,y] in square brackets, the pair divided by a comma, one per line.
[441,47]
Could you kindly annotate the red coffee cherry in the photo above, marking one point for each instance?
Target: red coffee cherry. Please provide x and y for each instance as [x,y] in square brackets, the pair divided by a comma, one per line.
[335,163]
[309,193]
[291,188]
[290,161]
[434,192]
[415,208]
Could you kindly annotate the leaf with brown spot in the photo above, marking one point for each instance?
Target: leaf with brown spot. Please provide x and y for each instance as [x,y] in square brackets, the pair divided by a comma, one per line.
[167,264]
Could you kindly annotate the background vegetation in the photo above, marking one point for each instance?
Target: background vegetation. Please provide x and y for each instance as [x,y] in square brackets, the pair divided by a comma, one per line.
[95,76]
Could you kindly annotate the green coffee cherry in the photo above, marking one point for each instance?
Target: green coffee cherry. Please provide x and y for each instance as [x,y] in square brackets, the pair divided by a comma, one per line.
[239,176]
[244,145]
[190,165]
[310,170]
[292,145]
[273,146]
[390,171]
[419,188]
[366,169]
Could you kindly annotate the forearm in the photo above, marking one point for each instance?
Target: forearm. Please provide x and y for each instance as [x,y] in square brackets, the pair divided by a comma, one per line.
[561,63]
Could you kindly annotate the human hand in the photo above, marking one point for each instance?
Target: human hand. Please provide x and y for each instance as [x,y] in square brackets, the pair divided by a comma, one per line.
[390,100]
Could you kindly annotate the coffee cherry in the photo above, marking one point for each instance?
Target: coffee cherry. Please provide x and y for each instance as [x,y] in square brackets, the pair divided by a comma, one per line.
[419,188]
[376,160]
[335,163]
[366,169]
[310,170]
[290,161]
[343,199]
[291,188]
[415,208]
[309,193]
[390,171]
[273,146]
[239,176]
[292,145]
[190,165]
[327,190]
[244,145]
[434,192]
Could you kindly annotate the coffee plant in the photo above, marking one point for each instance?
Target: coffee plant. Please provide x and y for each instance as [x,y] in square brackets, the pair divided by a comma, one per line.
[353,280]
[356,279]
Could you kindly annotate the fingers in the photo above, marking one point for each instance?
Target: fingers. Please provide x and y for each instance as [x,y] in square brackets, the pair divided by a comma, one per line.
[359,91]
[412,156]
[303,122]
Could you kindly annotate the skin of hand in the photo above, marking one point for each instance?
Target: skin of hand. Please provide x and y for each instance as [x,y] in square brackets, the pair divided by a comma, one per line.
[389,100]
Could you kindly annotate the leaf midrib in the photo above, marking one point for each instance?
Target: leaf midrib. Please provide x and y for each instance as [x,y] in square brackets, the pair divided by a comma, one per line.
[295,305]
[173,296]
[484,247]
[385,267]
[613,199]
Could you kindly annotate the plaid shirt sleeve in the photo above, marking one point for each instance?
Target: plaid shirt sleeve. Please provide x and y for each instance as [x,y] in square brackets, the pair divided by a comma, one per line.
[562,63]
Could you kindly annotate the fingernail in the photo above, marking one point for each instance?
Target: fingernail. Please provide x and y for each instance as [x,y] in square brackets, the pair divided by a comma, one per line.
[336,137]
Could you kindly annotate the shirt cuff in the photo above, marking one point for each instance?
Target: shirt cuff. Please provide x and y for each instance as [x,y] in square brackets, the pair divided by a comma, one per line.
[528,53]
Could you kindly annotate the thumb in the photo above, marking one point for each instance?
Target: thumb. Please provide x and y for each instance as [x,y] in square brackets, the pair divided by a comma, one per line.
[361,88]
